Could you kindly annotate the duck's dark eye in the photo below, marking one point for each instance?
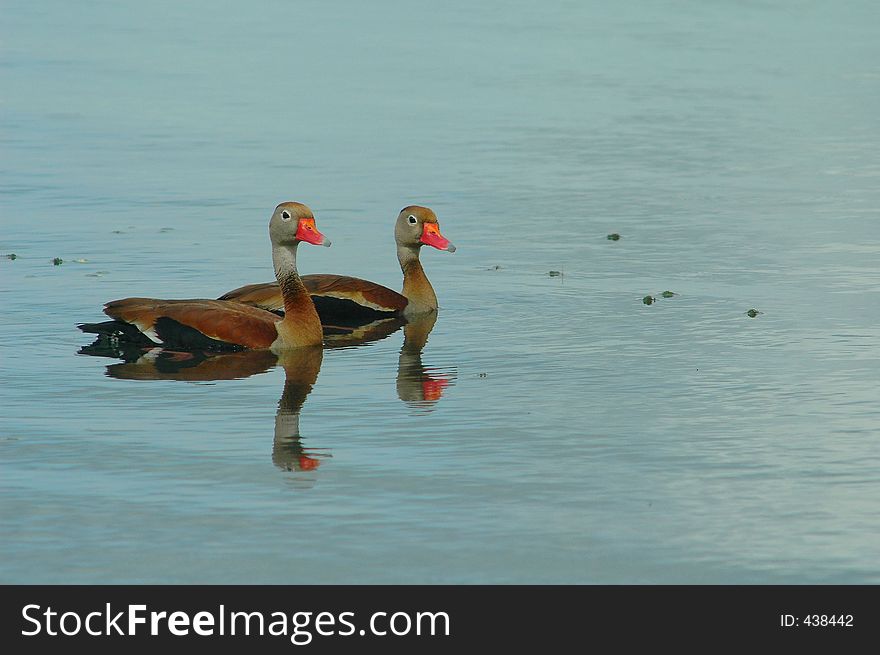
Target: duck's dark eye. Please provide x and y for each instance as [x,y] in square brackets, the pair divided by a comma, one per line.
[412,220]
[285,215]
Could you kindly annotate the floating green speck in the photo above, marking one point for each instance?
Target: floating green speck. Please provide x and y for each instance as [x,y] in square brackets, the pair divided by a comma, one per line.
[649,300]
[614,236]
[668,294]
[554,273]
[752,313]
[58,261]
[11,255]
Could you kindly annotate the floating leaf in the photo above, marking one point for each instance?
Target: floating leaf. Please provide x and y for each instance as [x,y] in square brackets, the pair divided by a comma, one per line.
[58,261]
[668,294]
[11,255]
[614,236]
[649,300]
[554,273]
[752,313]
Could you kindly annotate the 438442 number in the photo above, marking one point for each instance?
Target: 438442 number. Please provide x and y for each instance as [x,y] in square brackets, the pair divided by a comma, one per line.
[817,620]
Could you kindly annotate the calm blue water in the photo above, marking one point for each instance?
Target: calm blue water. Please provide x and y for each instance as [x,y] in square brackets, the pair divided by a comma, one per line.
[553,428]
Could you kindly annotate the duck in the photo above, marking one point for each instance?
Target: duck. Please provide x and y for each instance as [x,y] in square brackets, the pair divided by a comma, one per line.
[341,299]
[225,325]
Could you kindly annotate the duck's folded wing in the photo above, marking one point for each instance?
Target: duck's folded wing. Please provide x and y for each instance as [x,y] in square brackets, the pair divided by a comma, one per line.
[197,324]
[363,292]
[265,295]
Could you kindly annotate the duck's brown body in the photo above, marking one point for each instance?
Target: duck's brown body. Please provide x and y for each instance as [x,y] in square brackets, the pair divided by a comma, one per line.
[226,325]
[342,298]
[168,322]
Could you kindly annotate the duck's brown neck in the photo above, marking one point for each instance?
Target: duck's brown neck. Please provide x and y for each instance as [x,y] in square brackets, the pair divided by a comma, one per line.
[300,325]
[416,287]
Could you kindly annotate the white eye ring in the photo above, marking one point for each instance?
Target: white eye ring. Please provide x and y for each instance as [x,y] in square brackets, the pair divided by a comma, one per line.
[285,215]
[413,220]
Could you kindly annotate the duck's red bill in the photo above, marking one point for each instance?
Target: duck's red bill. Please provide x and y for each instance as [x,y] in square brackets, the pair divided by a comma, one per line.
[306,231]
[431,237]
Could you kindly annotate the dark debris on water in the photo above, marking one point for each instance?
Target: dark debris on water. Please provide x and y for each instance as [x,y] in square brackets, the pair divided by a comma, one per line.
[650,300]
[614,236]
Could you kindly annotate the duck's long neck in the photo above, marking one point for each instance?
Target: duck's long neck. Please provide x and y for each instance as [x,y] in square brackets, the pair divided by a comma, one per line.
[300,325]
[416,287]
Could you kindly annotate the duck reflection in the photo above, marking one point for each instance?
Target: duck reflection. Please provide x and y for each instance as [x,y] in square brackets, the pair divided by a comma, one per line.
[301,368]
[417,385]
[185,366]
[346,336]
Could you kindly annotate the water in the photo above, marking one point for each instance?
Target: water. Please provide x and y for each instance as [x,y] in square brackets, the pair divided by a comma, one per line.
[553,428]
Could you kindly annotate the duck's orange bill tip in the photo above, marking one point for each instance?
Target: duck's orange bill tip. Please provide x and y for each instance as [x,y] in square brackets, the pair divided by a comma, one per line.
[306,231]
[431,237]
